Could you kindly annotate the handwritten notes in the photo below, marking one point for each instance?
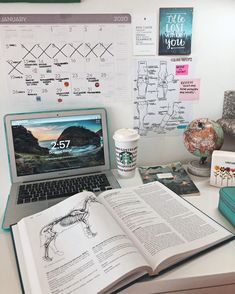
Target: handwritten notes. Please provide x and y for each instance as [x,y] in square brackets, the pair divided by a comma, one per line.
[189,90]
[181,70]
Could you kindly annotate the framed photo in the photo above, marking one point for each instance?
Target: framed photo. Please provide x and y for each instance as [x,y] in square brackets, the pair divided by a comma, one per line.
[175,31]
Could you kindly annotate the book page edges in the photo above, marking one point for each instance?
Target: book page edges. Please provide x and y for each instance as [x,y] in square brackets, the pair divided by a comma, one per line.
[24,279]
[30,268]
[127,278]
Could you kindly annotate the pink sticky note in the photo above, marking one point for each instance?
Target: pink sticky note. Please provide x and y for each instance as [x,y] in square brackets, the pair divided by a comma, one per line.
[189,90]
[181,69]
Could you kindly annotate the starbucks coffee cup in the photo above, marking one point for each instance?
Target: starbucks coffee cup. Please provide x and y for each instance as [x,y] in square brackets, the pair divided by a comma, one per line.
[126,144]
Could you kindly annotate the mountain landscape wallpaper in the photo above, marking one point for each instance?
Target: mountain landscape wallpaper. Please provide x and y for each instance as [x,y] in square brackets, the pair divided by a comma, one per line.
[57,146]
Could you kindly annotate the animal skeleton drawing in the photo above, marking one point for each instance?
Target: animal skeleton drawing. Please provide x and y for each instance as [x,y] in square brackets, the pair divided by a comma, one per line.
[51,231]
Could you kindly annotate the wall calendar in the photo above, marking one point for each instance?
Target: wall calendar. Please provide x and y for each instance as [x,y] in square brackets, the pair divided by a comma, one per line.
[66,58]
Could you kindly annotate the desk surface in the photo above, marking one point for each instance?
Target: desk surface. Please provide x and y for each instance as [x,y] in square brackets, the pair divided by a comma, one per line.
[201,275]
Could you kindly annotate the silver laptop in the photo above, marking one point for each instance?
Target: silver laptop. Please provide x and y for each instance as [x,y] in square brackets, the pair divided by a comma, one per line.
[54,155]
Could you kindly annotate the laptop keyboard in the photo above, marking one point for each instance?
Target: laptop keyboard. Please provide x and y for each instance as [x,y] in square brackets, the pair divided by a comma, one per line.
[62,188]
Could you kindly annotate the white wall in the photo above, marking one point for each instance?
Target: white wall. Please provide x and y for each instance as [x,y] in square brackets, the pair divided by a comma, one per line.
[213,45]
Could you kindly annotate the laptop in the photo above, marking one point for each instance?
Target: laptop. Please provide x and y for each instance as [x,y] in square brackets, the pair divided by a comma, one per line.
[53,155]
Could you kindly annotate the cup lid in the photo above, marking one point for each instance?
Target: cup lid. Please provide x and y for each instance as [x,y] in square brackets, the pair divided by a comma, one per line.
[126,135]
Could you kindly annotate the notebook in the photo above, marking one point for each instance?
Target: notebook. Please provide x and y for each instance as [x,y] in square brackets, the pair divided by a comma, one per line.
[62,153]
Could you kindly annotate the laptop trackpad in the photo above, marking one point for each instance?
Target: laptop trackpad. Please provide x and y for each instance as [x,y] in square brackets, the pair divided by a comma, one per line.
[53,202]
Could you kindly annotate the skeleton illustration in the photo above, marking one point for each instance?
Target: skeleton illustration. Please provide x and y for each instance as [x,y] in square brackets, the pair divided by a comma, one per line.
[51,231]
[163,81]
[142,110]
[142,79]
[172,113]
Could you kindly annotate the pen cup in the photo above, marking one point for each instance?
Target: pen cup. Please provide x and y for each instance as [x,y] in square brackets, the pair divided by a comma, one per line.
[126,145]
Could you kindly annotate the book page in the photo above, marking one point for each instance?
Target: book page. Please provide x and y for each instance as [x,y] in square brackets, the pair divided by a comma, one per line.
[76,246]
[161,223]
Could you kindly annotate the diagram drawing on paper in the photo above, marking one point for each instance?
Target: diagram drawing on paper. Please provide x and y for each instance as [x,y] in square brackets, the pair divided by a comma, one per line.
[69,61]
[51,231]
[157,109]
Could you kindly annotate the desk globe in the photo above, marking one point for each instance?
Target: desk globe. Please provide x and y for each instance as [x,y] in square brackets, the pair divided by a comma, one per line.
[201,138]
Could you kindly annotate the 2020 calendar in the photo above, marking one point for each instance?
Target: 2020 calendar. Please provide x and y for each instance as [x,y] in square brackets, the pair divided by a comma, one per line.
[66,58]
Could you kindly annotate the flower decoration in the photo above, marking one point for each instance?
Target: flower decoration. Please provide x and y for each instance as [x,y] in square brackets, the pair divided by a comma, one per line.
[224,173]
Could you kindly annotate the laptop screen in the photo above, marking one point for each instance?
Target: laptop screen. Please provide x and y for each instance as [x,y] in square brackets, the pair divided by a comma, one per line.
[58,143]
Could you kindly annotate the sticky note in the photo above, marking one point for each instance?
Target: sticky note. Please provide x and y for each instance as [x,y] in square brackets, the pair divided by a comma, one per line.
[189,89]
[181,69]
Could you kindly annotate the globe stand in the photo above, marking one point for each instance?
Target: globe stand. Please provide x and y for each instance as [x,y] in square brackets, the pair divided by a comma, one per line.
[200,168]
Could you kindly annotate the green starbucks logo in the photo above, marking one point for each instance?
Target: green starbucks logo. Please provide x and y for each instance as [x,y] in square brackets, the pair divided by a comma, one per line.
[126,157]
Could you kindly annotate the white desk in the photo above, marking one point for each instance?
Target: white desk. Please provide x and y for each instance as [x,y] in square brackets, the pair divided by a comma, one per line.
[213,272]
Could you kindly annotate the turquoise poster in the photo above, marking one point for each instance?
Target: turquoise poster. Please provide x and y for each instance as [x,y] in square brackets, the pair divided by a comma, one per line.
[175,31]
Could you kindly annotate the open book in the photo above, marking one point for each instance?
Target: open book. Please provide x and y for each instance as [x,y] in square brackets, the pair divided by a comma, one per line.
[89,244]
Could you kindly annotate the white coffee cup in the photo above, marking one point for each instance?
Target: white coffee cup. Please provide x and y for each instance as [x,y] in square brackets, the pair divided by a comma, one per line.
[126,145]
